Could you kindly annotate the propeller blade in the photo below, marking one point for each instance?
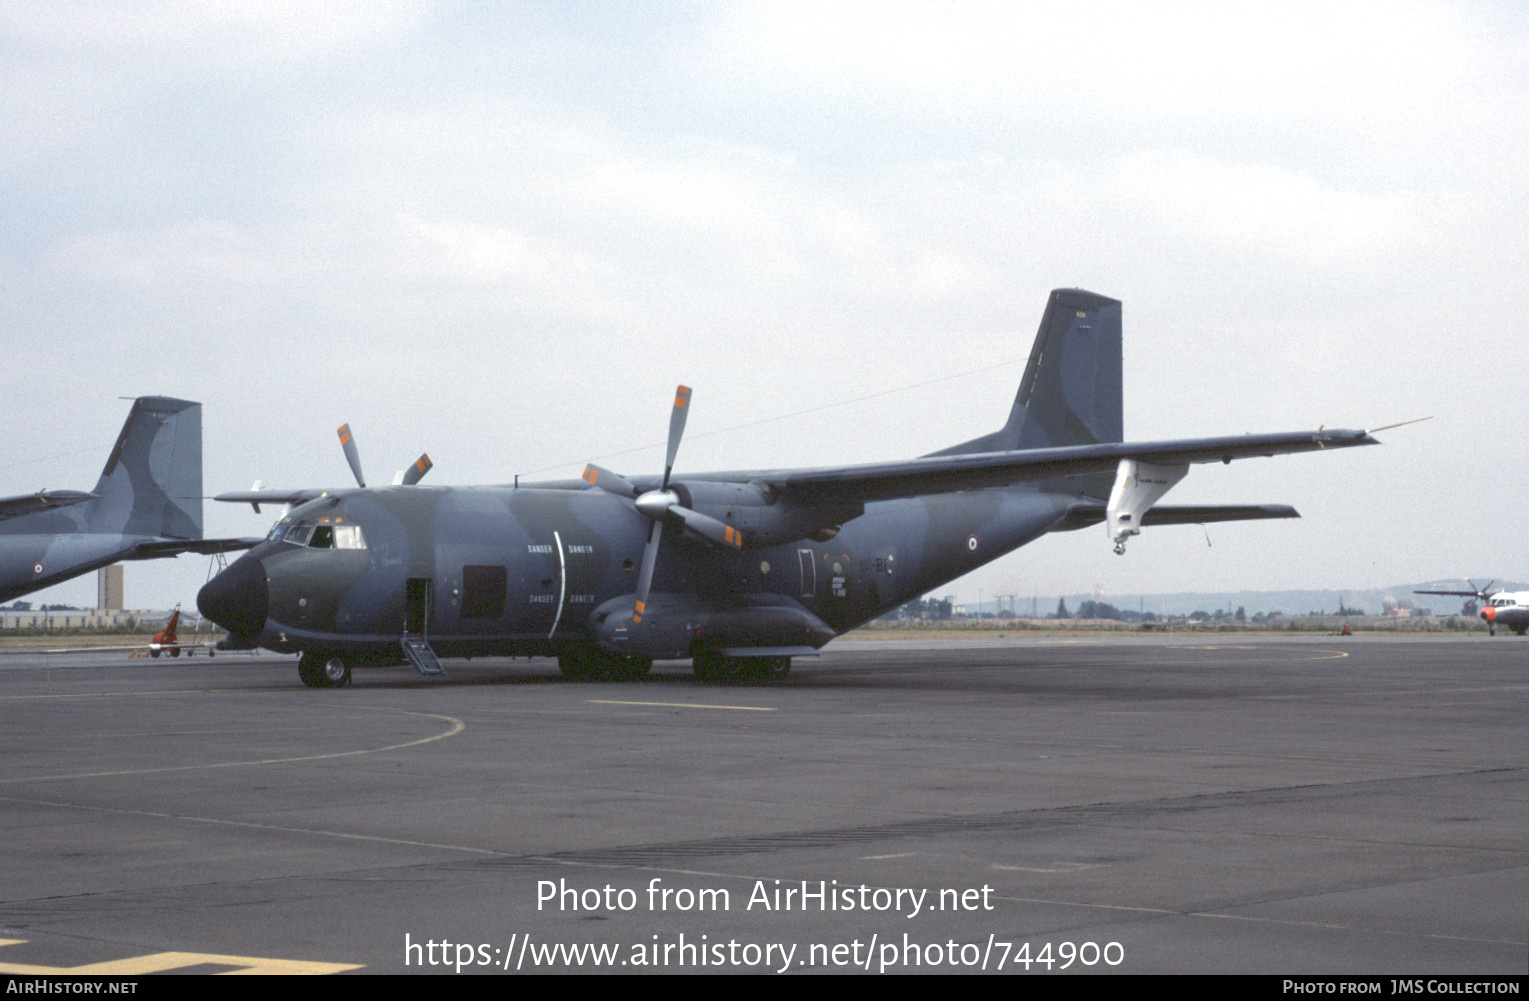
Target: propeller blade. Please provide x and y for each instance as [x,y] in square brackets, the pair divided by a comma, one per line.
[645,578]
[348,442]
[704,525]
[417,472]
[608,481]
[676,429]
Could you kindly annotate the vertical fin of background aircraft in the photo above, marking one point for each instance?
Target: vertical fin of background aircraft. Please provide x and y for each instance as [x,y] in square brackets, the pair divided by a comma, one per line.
[1071,391]
[152,483]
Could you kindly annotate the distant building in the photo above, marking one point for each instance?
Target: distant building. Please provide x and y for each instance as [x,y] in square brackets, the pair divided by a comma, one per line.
[109,589]
[75,618]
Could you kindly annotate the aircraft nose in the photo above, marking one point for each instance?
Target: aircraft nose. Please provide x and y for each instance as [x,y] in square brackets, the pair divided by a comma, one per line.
[236,599]
[1489,613]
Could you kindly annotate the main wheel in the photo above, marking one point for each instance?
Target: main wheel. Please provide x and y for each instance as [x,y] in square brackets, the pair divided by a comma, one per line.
[578,664]
[336,672]
[627,668]
[310,668]
[708,665]
[774,668]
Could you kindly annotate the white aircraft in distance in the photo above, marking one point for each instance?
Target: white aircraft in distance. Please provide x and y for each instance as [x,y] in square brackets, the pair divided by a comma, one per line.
[1509,609]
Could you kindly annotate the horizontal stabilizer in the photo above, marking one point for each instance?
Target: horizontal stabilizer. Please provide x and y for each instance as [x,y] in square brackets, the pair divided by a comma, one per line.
[174,547]
[43,500]
[1084,515]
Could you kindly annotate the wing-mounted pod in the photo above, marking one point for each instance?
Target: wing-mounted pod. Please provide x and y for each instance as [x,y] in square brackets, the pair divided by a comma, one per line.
[1138,485]
[676,625]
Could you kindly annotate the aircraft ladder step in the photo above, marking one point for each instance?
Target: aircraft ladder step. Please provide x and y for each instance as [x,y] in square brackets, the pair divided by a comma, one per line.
[417,649]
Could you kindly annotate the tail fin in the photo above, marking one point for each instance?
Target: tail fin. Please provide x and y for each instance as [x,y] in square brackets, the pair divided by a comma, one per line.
[1071,390]
[152,483]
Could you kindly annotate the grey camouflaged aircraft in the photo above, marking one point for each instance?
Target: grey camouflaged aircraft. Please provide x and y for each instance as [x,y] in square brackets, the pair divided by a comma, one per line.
[147,504]
[738,571]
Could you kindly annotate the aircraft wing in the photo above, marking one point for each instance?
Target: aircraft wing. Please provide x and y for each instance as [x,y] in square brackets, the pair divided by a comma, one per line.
[255,498]
[946,473]
[11,507]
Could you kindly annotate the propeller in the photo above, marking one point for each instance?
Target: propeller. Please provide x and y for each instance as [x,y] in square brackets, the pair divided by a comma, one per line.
[407,477]
[348,443]
[663,505]
[414,473]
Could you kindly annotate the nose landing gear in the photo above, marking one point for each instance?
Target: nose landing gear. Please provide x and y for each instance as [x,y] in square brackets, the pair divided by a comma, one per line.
[323,670]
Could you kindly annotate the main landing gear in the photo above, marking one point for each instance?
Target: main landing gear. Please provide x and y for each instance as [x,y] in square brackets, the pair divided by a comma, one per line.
[711,666]
[594,664]
[323,670]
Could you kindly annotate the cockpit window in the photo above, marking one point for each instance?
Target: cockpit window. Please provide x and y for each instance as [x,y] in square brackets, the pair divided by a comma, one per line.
[322,536]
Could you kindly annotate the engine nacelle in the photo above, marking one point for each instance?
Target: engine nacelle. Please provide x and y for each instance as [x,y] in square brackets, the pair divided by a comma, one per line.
[765,518]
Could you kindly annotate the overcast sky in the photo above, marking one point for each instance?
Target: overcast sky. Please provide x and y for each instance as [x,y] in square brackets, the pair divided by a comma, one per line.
[502,233]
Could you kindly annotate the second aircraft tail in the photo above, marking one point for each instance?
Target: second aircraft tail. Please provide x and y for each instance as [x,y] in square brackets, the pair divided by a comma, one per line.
[152,483]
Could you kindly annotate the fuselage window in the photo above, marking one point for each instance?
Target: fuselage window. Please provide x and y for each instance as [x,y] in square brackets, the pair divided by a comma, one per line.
[349,537]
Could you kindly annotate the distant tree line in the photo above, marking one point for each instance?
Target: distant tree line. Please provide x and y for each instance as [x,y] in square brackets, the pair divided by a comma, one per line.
[938,609]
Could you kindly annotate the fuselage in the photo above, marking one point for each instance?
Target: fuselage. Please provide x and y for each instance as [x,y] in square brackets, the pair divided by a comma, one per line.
[32,561]
[525,571]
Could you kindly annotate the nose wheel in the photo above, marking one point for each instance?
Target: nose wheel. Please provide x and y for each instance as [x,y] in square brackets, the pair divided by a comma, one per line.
[323,670]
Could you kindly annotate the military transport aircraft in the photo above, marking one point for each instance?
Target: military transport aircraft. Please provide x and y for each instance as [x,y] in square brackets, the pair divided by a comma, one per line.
[738,571]
[147,504]
[1504,608]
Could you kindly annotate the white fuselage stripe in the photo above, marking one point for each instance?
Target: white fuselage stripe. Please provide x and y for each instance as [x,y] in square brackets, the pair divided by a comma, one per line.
[562,583]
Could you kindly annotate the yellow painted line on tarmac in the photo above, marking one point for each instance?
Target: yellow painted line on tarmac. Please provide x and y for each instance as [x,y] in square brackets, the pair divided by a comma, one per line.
[683,705]
[456,726]
[159,962]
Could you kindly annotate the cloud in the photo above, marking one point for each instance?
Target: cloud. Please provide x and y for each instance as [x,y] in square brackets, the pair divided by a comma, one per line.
[1271,210]
[224,35]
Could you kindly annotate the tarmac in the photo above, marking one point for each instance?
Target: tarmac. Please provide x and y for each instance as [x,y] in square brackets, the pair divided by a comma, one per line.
[1090,804]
